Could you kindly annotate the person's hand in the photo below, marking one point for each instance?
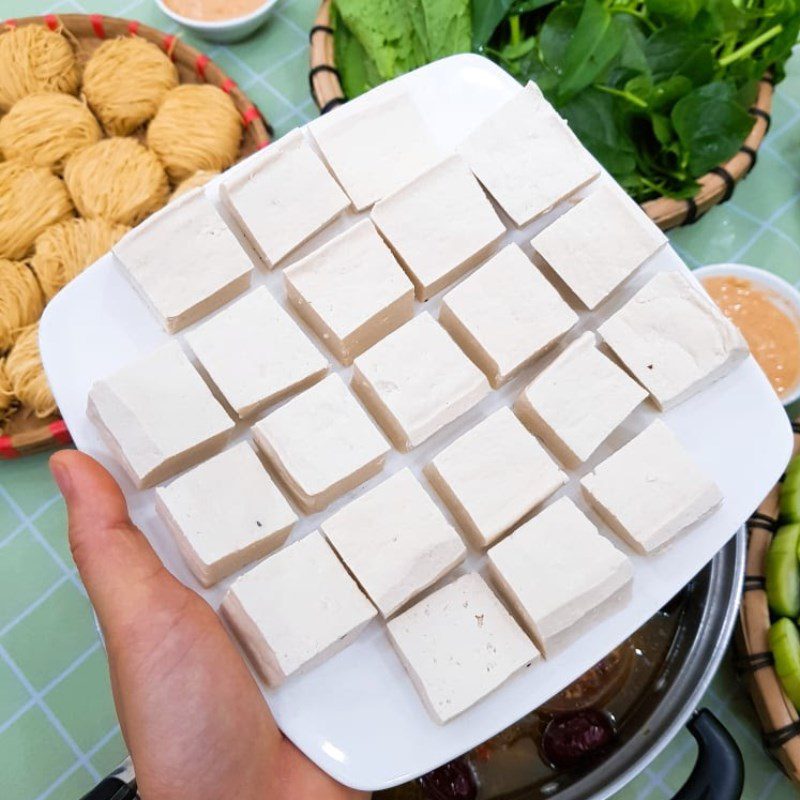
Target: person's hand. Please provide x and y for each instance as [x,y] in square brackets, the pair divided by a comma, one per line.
[191,714]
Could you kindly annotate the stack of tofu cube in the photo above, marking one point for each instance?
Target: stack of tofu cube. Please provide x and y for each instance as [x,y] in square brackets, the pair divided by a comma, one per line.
[418,385]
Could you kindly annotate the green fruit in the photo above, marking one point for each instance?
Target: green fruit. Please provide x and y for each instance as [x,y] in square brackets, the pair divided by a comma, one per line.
[784,641]
[791,480]
[790,506]
[783,572]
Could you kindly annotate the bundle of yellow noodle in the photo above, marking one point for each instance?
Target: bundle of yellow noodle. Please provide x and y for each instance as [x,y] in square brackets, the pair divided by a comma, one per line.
[66,249]
[118,180]
[125,81]
[196,128]
[20,300]
[31,199]
[35,59]
[7,397]
[26,373]
[46,128]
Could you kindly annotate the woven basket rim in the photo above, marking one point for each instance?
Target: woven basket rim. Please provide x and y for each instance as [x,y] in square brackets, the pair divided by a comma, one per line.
[716,186]
[779,719]
[257,133]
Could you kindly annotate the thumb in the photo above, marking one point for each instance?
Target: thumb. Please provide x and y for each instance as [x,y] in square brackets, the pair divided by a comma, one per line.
[119,568]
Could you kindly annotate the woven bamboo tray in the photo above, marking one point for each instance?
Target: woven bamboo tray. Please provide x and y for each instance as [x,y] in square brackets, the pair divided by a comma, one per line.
[24,433]
[779,718]
[715,187]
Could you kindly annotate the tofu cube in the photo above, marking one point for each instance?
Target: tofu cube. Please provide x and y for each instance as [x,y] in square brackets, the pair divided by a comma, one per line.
[282,197]
[295,609]
[527,157]
[184,262]
[439,225]
[416,381]
[395,541]
[557,569]
[351,291]
[576,402]
[458,645]
[673,339]
[505,315]
[225,513]
[255,353]
[493,475]
[375,149]
[651,489]
[321,443]
[599,243]
[157,416]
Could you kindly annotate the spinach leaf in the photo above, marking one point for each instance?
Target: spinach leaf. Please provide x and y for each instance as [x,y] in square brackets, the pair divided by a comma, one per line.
[710,125]
[677,51]
[595,42]
[678,10]
[556,34]
[486,16]
[632,51]
[592,117]
[666,93]
[523,6]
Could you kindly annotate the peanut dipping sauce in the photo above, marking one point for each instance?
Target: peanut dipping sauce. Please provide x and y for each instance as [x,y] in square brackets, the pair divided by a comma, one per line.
[772,333]
[212,10]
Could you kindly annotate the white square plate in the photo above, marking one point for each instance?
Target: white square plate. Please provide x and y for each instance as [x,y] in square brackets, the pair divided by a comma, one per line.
[358,715]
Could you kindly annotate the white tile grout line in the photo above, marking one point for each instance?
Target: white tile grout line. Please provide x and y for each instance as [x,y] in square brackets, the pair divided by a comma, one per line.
[769,785]
[102,742]
[25,707]
[23,523]
[52,718]
[291,23]
[70,572]
[33,606]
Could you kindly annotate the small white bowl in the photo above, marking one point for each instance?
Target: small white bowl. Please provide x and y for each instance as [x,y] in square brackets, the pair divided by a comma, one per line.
[222,30]
[777,287]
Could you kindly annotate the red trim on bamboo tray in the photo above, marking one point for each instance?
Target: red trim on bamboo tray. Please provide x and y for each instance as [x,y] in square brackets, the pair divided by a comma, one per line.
[51,20]
[227,85]
[201,63]
[7,449]
[250,114]
[58,430]
[133,27]
[97,25]
[169,43]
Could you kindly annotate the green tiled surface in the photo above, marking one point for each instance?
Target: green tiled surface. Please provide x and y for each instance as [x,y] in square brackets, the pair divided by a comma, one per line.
[58,733]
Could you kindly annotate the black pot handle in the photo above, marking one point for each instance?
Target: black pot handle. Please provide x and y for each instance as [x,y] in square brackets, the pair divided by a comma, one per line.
[119,785]
[718,773]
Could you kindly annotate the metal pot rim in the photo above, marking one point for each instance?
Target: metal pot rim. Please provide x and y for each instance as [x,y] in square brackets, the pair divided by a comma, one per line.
[680,699]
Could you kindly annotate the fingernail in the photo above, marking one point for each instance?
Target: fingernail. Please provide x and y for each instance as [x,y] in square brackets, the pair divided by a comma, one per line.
[61,476]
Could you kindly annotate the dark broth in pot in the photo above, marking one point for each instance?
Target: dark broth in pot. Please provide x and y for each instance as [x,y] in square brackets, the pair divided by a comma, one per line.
[573,729]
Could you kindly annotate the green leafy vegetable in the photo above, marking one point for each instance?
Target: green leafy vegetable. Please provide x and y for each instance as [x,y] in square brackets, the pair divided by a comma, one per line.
[377,40]
[658,90]
[486,16]
[593,44]
[710,125]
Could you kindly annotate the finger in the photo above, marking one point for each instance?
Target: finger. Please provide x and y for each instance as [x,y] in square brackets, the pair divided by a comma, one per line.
[119,568]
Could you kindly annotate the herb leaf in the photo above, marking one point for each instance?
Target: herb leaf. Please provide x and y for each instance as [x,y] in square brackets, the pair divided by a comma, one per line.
[710,125]
[678,10]
[677,51]
[486,16]
[595,42]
